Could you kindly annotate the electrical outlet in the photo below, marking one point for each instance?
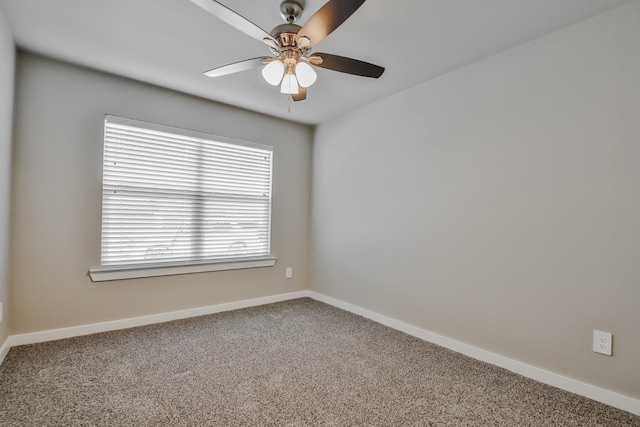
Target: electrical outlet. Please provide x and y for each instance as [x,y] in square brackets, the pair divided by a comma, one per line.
[602,342]
[1,312]
[288,273]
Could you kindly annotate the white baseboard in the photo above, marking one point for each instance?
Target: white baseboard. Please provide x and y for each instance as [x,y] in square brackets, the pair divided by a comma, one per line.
[114,325]
[599,394]
[4,349]
[547,377]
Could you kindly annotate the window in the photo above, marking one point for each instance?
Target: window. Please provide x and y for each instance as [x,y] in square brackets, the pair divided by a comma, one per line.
[175,197]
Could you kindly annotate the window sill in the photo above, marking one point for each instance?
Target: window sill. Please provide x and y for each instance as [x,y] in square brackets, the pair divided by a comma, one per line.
[121,273]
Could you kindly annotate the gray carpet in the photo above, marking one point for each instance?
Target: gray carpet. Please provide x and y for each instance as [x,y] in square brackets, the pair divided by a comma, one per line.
[293,363]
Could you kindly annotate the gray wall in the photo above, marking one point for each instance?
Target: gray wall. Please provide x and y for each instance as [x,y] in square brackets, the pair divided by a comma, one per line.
[57,194]
[498,205]
[7,68]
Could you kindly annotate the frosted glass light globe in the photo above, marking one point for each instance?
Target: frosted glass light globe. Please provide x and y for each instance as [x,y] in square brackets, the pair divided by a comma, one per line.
[305,73]
[273,72]
[289,84]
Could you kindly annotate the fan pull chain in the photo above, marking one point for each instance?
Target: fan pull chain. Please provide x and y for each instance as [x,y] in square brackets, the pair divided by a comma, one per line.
[289,106]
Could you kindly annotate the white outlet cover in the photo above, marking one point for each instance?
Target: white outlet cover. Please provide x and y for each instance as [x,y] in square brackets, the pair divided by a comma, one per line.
[288,273]
[602,342]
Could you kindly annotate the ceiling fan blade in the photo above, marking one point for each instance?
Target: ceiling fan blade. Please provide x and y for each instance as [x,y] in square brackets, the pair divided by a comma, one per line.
[241,23]
[327,19]
[348,65]
[301,95]
[236,67]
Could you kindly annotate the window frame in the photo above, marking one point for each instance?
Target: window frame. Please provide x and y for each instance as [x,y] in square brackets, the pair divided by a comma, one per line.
[130,271]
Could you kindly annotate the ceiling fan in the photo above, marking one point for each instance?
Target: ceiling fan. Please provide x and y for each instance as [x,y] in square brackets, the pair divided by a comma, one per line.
[290,67]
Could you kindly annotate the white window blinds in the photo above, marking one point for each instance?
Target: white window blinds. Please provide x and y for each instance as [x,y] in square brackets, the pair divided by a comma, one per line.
[174,196]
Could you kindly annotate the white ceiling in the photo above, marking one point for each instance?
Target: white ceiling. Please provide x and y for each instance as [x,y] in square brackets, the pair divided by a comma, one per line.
[171,42]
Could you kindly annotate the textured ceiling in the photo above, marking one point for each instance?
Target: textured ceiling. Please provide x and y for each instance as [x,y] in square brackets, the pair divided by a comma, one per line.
[171,42]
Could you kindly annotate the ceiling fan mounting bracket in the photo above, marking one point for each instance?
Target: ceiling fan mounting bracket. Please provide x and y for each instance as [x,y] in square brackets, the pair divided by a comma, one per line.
[291,10]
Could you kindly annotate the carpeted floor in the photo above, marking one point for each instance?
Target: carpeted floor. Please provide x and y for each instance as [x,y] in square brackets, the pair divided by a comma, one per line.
[294,363]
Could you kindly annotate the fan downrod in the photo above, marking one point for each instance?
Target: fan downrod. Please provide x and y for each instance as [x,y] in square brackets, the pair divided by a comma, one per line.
[291,10]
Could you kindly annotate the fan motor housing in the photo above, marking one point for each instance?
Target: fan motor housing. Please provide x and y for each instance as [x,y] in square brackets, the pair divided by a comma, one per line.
[286,33]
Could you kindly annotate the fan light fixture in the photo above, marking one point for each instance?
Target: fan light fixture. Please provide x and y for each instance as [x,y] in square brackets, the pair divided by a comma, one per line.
[302,74]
